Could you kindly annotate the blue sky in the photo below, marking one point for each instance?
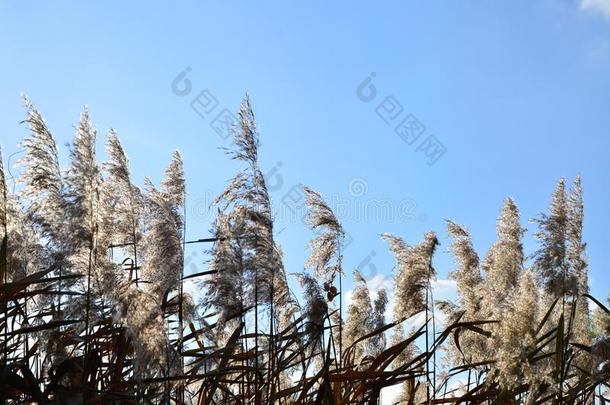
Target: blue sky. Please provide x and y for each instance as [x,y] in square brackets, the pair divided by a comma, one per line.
[517,92]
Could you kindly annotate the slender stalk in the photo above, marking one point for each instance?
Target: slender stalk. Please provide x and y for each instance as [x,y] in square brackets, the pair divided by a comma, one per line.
[271,340]
[180,309]
[433,339]
[256,371]
[4,246]
[135,240]
[340,321]
[87,309]
[427,351]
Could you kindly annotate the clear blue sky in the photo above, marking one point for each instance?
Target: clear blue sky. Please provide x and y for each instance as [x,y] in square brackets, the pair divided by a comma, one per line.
[517,91]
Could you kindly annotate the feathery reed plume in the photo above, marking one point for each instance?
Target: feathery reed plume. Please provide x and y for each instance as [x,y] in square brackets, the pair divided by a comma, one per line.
[577,261]
[503,262]
[358,321]
[467,275]
[502,266]
[87,233]
[600,322]
[162,241]
[413,289]
[516,337]
[377,343]
[226,291]
[3,254]
[600,349]
[37,230]
[41,176]
[19,242]
[3,197]
[173,186]
[247,197]
[83,181]
[287,306]
[3,222]
[325,257]
[248,194]
[473,346]
[124,201]
[316,307]
[554,274]
[550,259]
[141,314]
[413,273]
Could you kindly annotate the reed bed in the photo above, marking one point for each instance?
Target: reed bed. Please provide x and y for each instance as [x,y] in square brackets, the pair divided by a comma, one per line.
[93,307]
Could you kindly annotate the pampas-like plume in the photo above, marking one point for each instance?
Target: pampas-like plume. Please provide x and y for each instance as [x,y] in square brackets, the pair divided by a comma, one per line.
[36,215]
[377,343]
[124,201]
[504,261]
[467,275]
[161,245]
[413,273]
[601,346]
[358,318]
[42,177]
[515,336]
[600,322]
[226,290]
[141,314]
[284,302]
[325,257]
[246,137]
[88,233]
[316,307]
[83,183]
[550,259]
[19,240]
[3,195]
[248,194]
[3,223]
[576,247]
[249,186]
[173,186]
[3,208]
[469,281]
[265,283]
[577,262]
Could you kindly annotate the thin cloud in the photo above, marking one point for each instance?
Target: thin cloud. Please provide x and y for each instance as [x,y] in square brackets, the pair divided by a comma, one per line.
[599,6]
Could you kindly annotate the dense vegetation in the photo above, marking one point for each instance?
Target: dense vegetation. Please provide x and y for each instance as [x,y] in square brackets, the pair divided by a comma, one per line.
[94,310]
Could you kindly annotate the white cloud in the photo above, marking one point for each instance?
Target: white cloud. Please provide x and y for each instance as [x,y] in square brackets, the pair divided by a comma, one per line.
[390,394]
[599,6]
[444,289]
